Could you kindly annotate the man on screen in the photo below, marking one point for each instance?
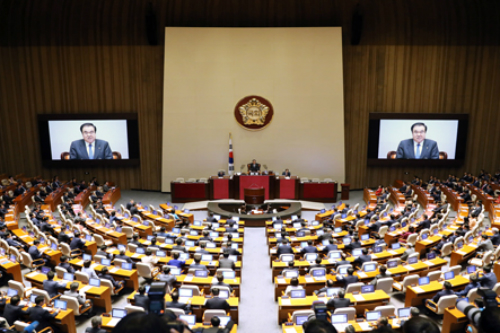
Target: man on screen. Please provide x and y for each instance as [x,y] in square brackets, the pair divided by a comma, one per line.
[418,147]
[89,148]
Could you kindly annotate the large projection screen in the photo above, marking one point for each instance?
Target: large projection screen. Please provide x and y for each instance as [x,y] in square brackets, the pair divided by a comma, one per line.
[208,70]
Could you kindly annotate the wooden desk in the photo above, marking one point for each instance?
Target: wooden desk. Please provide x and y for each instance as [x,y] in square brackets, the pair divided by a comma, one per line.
[101,296]
[415,296]
[396,196]
[130,277]
[116,237]
[112,196]
[324,192]
[465,253]
[54,198]
[358,327]
[83,197]
[480,195]
[11,268]
[169,224]
[187,192]
[422,245]
[25,198]
[206,283]
[198,305]
[55,256]
[453,198]
[362,302]
[369,196]
[453,320]
[423,197]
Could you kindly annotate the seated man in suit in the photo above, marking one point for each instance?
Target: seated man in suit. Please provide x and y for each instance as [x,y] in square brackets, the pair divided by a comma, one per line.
[73,292]
[220,282]
[339,302]
[52,287]
[141,299]
[310,248]
[90,148]
[225,262]
[485,244]
[447,290]
[13,311]
[38,313]
[418,147]
[176,304]
[197,263]
[286,173]
[96,323]
[215,302]
[425,223]
[104,274]
[474,283]
[350,278]
[66,265]
[175,261]
[495,239]
[35,254]
[489,279]
[165,276]
[254,167]
[383,274]
[365,257]
[38,197]
[77,242]
[284,249]
[329,284]
[13,242]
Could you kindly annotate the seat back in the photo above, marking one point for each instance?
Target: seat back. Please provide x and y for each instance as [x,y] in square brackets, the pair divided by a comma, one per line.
[99,240]
[4,245]
[352,287]
[368,263]
[60,271]
[382,231]
[107,283]
[177,312]
[83,277]
[20,326]
[472,295]
[386,310]
[98,258]
[132,247]
[446,249]
[398,260]
[16,285]
[496,288]
[412,239]
[128,231]
[445,302]
[301,313]
[144,270]
[347,266]
[196,289]
[132,309]
[434,276]
[27,261]
[385,284]
[455,269]
[414,255]
[43,293]
[65,249]
[15,251]
[208,314]
[409,280]
[350,312]
[72,303]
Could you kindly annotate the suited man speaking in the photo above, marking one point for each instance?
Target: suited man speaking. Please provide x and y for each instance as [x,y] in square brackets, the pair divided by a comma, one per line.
[418,147]
[90,148]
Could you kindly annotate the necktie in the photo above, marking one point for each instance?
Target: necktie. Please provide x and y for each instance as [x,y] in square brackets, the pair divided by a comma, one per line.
[417,155]
[91,153]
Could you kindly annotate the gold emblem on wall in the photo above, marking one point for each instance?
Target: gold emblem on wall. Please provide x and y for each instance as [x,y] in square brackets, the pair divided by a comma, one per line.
[254,112]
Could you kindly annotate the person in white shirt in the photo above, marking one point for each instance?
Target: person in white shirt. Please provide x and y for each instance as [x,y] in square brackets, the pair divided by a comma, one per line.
[89,270]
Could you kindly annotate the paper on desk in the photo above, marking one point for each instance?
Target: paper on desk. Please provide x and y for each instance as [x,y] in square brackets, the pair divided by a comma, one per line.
[135,255]
[188,278]
[418,289]
[362,274]
[365,326]
[358,297]
[84,289]
[320,278]
[281,280]
[410,268]
[309,279]
[286,301]
[392,252]
[94,265]
[461,252]
[429,263]
[80,263]
[113,270]
[32,274]
[290,330]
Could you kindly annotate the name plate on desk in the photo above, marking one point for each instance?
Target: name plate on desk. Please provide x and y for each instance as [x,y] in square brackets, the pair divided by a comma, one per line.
[365,326]
[188,278]
[429,263]
[32,275]
[461,252]
[290,330]
[410,268]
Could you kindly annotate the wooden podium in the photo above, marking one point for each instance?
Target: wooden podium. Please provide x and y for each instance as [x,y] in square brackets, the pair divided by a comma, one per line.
[254,196]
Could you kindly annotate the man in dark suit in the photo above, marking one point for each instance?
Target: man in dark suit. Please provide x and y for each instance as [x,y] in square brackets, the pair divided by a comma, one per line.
[495,239]
[350,278]
[489,279]
[310,248]
[365,257]
[52,287]
[176,304]
[284,249]
[96,323]
[141,299]
[34,253]
[40,314]
[19,190]
[286,173]
[215,302]
[339,302]
[13,311]
[383,274]
[447,291]
[254,167]
[418,147]
[425,223]
[38,197]
[329,284]
[104,274]
[225,262]
[66,265]
[90,148]
[220,282]
[124,257]
[77,242]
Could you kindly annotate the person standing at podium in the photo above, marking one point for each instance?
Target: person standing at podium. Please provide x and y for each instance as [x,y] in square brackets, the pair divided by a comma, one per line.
[286,173]
[254,167]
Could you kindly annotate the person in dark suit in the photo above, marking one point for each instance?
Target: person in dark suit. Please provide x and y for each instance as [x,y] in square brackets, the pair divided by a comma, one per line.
[77,242]
[383,274]
[124,257]
[310,248]
[34,253]
[254,167]
[329,284]
[165,276]
[330,247]
[66,265]
[418,147]
[52,287]
[141,299]
[90,148]
[40,314]
[286,173]
[489,279]
[339,302]
[215,302]
[284,249]
[13,311]
[104,274]
[225,262]
[365,257]
[176,304]
[197,263]
[425,223]
[215,321]
[15,243]
[474,283]
[495,239]
[350,278]
[220,282]
[447,290]
[38,197]
[96,323]
[232,252]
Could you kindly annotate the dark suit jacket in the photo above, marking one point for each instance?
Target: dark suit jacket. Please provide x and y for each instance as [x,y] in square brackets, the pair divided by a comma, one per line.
[67,266]
[142,301]
[254,167]
[78,150]
[52,287]
[309,249]
[429,150]
[442,293]
[425,224]
[338,303]
[34,253]
[348,280]
[13,312]
[42,316]
[217,303]
[284,249]
[287,174]
[77,243]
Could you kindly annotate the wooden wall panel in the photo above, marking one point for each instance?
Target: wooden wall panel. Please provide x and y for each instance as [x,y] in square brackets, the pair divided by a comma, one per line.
[92,56]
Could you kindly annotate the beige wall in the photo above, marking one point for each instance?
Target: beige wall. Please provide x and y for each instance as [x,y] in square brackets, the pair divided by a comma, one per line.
[208,70]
